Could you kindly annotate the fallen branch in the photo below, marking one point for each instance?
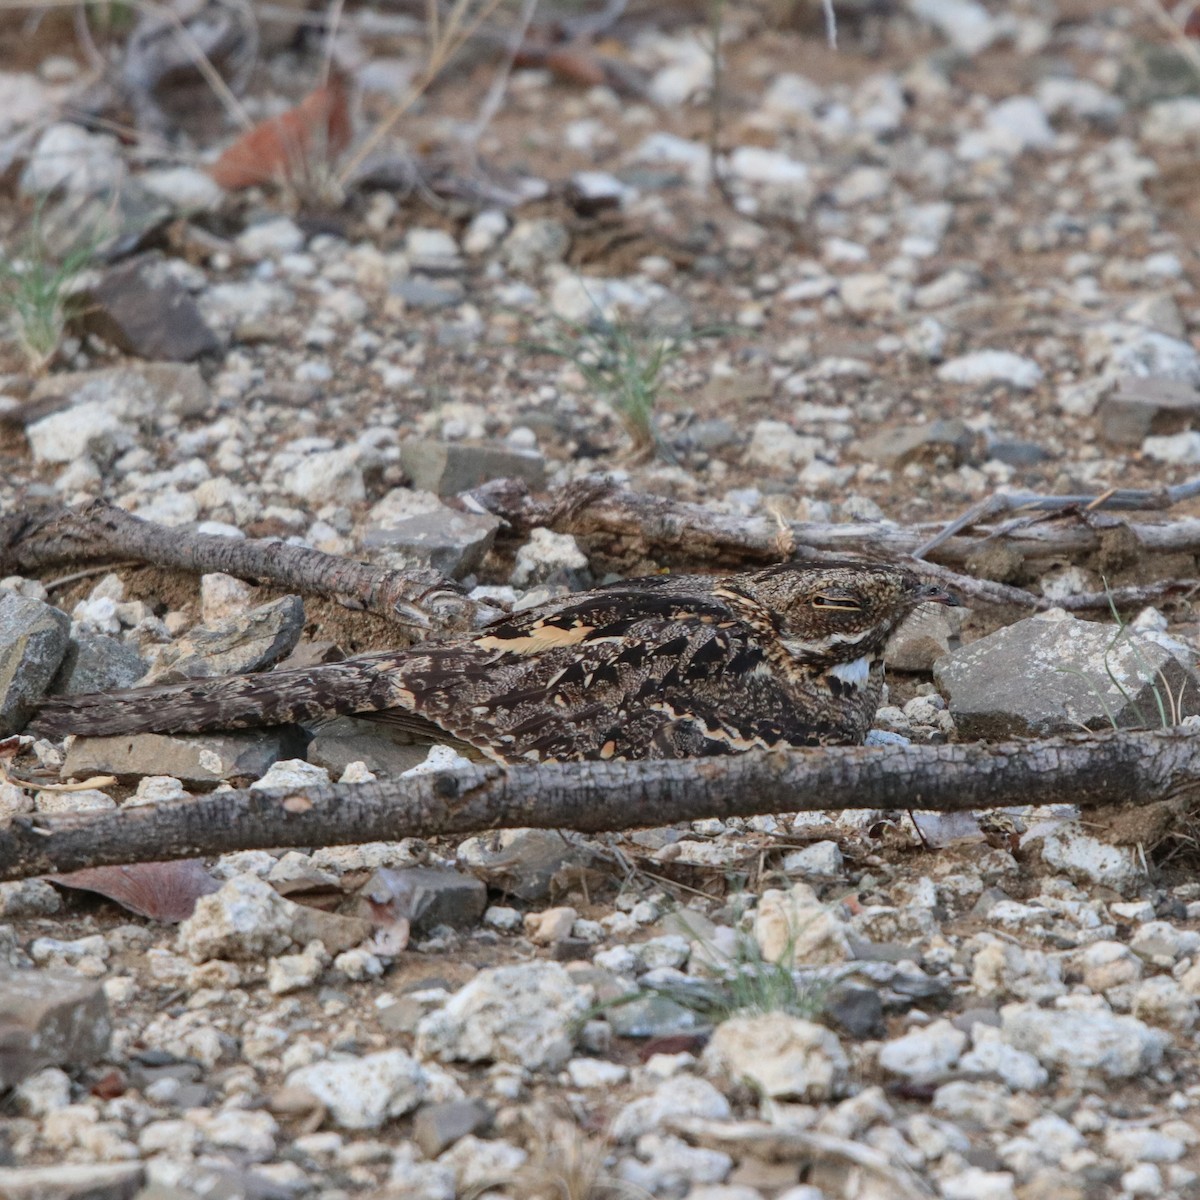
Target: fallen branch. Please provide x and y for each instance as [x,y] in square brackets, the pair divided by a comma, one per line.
[597,507]
[1134,769]
[99,532]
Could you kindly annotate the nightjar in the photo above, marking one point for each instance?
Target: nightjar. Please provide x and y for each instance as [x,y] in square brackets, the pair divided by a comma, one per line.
[666,666]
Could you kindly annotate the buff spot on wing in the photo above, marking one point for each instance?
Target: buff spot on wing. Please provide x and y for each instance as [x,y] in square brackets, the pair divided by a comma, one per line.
[539,637]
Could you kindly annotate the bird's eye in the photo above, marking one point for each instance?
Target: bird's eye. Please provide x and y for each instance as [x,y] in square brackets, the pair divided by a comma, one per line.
[837,601]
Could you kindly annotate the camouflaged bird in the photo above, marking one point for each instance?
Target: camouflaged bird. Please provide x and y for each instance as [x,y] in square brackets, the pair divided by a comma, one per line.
[662,667]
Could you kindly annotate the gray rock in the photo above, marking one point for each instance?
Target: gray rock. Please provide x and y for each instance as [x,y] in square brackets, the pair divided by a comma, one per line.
[436,1127]
[381,749]
[651,1016]
[447,468]
[419,291]
[857,1011]
[549,558]
[33,640]
[68,158]
[454,543]
[73,1181]
[918,443]
[247,642]
[95,662]
[190,758]
[1148,405]
[140,391]
[425,896]
[1044,676]
[50,1018]
[929,634]
[141,308]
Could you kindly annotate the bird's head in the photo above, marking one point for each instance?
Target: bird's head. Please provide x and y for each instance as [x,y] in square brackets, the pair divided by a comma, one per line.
[838,612]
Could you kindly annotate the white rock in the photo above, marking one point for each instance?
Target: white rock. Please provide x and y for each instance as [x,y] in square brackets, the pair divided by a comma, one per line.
[362,1093]
[70,159]
[438,758]
[184,188]
[1115,1047]
[522,1014]
[991,1055]
[759,165]
[1172,122]
[1142,1145]
[672,150]
[1001,969]
[1087,859]
[873,292]
[1163,942]
[1162,1001]
[781,1056]
[358,965]
[595,1073]
[794,926]
[247,919]
[977,1184]
[793,94]
[926,1053]
[294,972]
[966,24]
[88,430]
[271,238]
[820,858]
[678,1096]
[1020,123]
[1078,98]
[992,366]
[777,445]
[1108,964]
[223,596]
[1144,352]
[251,1134]
[330,476]
[292,773]
[1181,449]
[545,553]
[478,1164]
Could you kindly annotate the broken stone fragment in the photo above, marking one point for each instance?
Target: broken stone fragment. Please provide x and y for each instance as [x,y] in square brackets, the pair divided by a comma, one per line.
[33,640]
[447,468]
[1054,674]
[190,758]
[50,1018]
[246,642]
[1144,406]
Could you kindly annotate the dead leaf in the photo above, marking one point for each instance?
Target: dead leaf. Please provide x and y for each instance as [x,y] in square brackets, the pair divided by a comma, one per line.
[162,891]
[287,148]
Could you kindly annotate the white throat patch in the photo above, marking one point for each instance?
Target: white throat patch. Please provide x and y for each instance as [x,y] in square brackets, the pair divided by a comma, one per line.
[855,672]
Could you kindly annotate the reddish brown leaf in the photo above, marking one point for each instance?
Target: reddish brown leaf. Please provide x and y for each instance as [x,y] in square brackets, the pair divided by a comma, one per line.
[162,891]
[287,147]
[1191,26]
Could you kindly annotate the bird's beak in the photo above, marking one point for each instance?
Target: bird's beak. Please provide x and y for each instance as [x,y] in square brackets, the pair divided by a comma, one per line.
[932,593]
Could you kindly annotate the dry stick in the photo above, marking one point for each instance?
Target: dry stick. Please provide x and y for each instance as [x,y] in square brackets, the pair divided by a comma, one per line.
[101,531]
[1123,768]
[1114,498]
[691,533]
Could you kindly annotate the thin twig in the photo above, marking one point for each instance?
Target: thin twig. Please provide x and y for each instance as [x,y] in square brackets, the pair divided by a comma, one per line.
[495,95]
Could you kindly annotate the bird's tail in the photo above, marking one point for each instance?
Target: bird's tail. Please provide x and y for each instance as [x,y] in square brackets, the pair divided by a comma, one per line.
[234,702]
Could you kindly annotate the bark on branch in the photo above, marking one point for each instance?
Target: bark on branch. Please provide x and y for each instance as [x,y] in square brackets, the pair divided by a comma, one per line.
[100,532]
[678,531]
[1119,769]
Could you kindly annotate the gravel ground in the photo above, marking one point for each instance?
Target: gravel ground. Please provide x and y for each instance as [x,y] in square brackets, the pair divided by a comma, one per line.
[942,251]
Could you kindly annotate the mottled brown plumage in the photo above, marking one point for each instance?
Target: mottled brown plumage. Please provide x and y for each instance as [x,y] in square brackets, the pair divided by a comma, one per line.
[661,667]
